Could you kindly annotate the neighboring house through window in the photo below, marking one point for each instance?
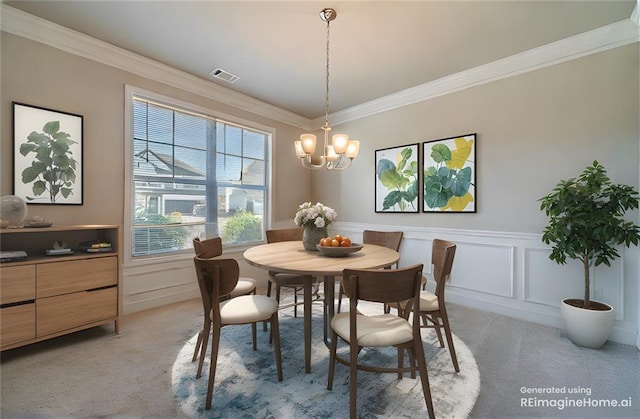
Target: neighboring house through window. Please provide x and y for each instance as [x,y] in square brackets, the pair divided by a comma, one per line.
[193,175]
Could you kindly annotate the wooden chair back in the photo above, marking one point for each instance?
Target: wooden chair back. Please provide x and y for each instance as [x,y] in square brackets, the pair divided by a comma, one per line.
[390,239]
[284,234]
[216,279]
[209,248]
[382,285]
[442,255]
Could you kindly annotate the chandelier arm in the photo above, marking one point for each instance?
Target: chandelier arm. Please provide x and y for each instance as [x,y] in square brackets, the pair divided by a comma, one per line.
[337,165]
[306,162]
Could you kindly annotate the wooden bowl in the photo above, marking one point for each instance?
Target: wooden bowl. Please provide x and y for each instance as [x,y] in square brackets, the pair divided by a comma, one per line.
[338,252]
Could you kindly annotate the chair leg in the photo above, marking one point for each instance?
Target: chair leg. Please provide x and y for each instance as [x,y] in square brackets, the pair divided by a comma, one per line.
[254,335]
[447,331]
[295,302]
[264,323]
[353,380]
[424,377]
[332,359]
[275,328]
[206,331]
[215,345]
[436,325]
[340,297]
[197,348]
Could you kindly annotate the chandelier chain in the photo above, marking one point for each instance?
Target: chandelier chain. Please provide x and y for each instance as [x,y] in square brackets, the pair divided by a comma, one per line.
[326,108]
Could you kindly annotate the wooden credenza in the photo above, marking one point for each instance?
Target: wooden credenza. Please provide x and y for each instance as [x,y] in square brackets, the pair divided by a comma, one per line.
[48,296]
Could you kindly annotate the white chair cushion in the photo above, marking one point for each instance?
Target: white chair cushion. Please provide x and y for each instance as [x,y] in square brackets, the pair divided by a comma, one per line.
[380,330]
[247,309]
[428,302]
[244,286]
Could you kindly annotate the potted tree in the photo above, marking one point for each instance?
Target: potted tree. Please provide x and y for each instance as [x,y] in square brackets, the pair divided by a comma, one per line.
[586,223]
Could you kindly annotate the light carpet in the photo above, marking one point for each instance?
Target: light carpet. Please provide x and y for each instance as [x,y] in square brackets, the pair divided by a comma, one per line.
[246,383]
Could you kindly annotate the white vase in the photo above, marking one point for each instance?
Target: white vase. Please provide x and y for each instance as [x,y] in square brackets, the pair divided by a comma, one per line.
[588,328]
[311,237]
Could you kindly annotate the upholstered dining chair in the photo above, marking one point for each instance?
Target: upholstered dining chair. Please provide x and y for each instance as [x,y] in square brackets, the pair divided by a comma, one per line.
[207,249]
[390,239]
[359,330]
[433,310]
[217,278]
[280,280]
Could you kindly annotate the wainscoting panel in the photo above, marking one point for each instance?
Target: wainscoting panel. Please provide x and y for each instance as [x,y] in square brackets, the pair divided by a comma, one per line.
[484,268]
[507,273]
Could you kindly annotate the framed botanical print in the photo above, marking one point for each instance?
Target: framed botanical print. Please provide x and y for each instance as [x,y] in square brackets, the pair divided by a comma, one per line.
[449,174]
[397,179]
[47,157]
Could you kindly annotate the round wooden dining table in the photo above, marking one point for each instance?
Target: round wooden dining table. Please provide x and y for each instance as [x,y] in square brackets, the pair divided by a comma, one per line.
[291,257]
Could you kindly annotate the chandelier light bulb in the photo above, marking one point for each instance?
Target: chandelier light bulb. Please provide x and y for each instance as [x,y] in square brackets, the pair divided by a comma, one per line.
[308,142]
[353,148]
[340,142]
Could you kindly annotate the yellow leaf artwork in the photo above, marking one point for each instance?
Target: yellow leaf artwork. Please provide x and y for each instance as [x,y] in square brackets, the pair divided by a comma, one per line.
[456,203]
[461,153]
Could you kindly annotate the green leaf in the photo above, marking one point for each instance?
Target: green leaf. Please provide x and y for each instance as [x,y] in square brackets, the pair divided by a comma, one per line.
[461,182]
[392,198]
[440,153]
[39,188]
[29,174]
[51,127]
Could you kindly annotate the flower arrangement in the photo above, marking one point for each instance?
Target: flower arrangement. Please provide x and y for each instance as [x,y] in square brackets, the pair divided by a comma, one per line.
[317,215]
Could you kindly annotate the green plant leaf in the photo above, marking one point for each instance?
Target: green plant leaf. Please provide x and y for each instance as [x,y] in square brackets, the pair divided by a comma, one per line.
[440,153]
[39,188]
[392,198]
[51,127]
[461,181]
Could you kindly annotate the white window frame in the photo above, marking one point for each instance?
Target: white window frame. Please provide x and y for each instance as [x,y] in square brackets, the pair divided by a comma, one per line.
[132,92]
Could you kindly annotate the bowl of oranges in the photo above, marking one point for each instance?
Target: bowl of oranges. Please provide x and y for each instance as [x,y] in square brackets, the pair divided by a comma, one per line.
[337,246]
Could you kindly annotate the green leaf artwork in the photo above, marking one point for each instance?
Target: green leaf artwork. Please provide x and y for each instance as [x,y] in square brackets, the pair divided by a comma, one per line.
[53,171]
[397,179]
[449,177]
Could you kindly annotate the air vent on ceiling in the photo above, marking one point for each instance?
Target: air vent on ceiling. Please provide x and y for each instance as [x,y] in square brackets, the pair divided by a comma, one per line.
[224,75]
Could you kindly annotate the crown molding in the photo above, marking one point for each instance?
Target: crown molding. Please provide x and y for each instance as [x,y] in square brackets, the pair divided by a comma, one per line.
[36,29]
[601,39]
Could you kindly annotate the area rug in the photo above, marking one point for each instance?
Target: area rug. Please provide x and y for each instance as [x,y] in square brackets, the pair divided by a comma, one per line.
[246,383]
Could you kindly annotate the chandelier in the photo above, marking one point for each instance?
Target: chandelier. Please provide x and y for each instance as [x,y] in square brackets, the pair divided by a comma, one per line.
[340,153]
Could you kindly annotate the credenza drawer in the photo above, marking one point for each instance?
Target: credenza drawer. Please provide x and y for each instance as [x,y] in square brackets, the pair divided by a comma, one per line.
[76,275]
[17,323]
[17,283]
[67,311]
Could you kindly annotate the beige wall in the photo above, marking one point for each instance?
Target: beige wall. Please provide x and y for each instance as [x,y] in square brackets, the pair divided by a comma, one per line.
[39,75]
[533,130]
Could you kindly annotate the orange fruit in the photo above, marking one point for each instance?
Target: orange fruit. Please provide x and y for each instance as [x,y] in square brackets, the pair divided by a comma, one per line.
[345,243]
[335,243]
[347,239]
[338,237]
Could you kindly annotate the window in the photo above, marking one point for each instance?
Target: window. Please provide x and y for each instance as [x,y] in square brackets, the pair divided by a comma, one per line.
[194,175]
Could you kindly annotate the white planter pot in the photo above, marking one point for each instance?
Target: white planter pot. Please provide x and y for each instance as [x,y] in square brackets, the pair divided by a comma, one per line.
[588,328]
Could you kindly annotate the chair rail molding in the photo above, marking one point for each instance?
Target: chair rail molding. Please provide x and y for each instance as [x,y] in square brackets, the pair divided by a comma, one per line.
[510,273]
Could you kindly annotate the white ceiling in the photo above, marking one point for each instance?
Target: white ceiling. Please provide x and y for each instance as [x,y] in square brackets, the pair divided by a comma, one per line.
[277,48]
